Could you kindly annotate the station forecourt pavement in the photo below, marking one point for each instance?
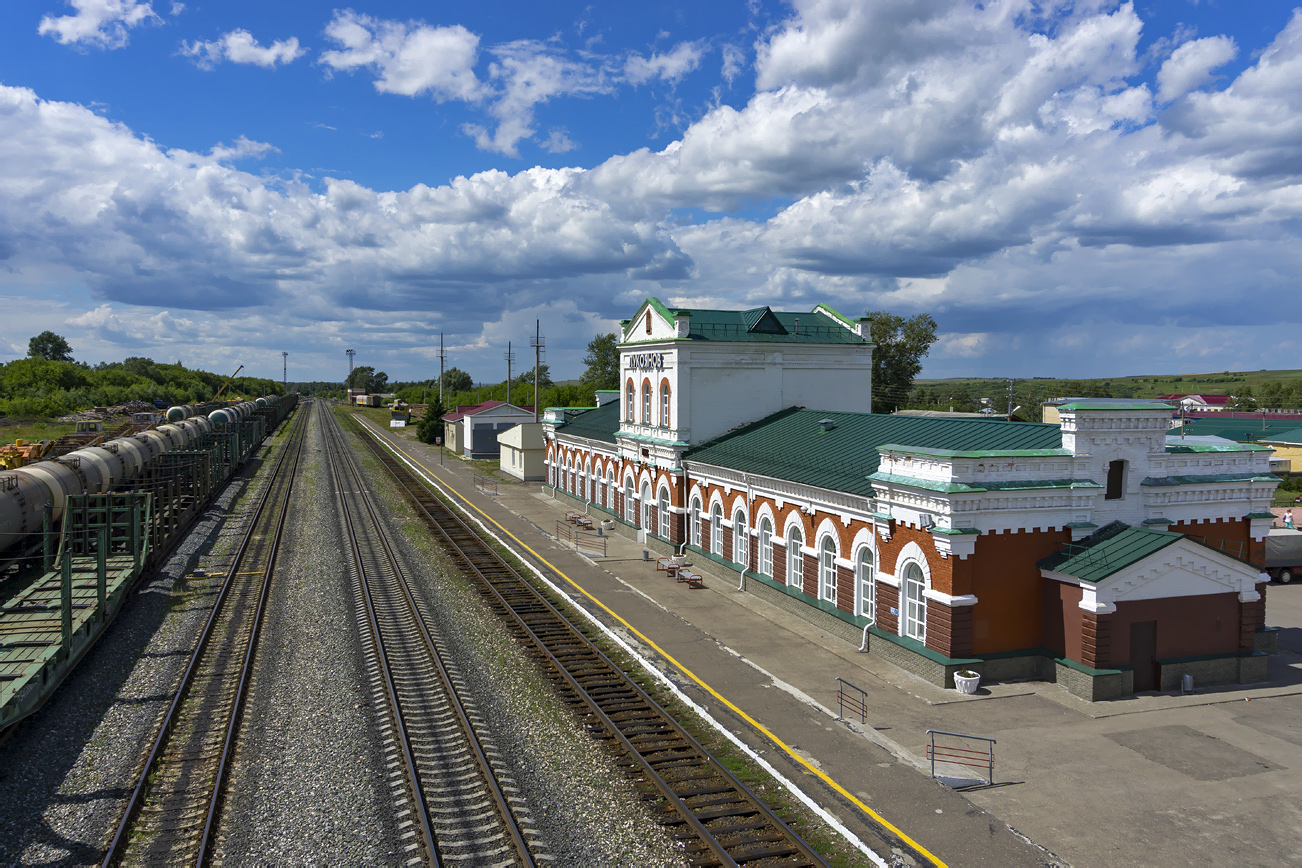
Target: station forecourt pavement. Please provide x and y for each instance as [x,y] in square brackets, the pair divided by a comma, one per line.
[1155,779]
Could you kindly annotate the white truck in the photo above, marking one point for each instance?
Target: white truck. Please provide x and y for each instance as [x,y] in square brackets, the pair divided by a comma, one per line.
[1284,554]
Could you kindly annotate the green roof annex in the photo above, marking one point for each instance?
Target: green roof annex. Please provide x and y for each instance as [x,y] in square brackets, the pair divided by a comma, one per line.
[823,325]
[795,445]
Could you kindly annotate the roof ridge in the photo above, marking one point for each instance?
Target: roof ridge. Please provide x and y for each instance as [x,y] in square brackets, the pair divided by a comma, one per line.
[745,429]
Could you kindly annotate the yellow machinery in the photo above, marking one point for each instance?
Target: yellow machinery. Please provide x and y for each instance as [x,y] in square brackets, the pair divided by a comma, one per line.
[227,383]
[22,452]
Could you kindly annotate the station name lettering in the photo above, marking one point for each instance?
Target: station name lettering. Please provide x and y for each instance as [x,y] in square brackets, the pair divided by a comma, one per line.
[647,361]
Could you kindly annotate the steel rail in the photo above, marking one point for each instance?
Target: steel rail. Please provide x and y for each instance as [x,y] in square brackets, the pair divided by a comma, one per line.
[415,490]
[399,723]
[436,656]
[119,841]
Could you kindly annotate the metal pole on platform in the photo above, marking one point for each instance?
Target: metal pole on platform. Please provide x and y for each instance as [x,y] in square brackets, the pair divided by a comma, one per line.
[47,551]
[101,572]
[65,601]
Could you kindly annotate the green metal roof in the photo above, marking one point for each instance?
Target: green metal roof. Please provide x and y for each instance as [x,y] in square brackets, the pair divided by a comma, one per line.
[1116,405]
[1205,478]
[959,487]
[1241,430]
[1294,436]
[600,423]
[1108,550]
[760,324]
[792,445]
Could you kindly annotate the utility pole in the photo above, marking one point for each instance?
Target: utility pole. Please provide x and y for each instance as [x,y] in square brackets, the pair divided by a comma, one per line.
[284,376]
[537,343]
[349,383]
[510,357]
[1010,400]
[442,356]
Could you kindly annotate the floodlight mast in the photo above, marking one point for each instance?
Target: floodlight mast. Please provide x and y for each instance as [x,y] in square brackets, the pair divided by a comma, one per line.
[348,384]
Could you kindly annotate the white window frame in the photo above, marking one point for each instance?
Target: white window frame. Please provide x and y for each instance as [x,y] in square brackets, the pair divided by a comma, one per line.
[694,533]
[662,513]
[646,402]
[795,558]
[914,620]
[630,503]
[647,505]
[739,553]
[765,565]
[630,397]
[716,529]
[827,569]
[865,578]
[664,405]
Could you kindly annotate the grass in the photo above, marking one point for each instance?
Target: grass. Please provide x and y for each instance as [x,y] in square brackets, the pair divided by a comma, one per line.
[28,428]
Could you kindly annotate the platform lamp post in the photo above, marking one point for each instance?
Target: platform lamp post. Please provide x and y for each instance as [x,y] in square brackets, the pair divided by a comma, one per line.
[348,384]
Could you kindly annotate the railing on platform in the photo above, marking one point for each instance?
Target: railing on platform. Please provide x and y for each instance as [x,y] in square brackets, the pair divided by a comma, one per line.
[485,484]
[590,541]
[964,756]
[857,701]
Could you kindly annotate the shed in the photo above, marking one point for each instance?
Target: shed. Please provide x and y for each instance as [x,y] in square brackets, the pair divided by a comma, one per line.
[524,452]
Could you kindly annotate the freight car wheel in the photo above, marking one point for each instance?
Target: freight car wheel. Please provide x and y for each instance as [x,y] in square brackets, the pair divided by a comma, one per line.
[1285,576]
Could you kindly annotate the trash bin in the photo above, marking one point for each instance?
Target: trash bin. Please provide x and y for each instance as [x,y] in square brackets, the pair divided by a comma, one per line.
[1186,683]
[646,554]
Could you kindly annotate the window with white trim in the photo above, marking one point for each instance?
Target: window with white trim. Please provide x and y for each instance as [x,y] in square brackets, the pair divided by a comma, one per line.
[664,404]
[646,402]
[739,553]
[795,559]
[827,570]
[630,505]
[765,547]
[694,519]
[716,529]
[647,505]
[629,402]
[915,604]
[866,584]
[662,518]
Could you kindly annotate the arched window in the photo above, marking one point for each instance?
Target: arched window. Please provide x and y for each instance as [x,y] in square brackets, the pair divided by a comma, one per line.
[629,402]
[865,584]
[716,529]
[827,570]
[610,488]
[915,605]
[664,403]
[795,559]
[646,505]
[739,553]
[662,510]
[583,482]
[646,402]
[694,519]
[766,547]
[630,505]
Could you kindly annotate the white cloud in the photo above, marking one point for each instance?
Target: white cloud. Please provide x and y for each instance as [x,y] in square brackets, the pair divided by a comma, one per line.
[672,66]
[734,61]
[239,46]
[1190,66]
[98,22]
[410,58]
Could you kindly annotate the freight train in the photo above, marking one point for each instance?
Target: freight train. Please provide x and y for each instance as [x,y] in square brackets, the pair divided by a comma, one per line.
[34,496]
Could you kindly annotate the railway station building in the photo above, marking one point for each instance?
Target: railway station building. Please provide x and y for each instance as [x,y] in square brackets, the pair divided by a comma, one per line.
[1090,553]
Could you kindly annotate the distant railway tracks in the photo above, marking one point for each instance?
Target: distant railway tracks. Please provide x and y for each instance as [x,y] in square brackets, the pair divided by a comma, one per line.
[172,813]
[719,819]
[465,807]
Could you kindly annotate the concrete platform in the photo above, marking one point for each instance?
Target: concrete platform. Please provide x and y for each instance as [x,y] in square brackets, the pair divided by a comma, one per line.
[1155,779]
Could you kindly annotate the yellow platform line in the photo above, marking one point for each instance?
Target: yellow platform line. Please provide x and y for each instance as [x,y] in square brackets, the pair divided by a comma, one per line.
[687,672]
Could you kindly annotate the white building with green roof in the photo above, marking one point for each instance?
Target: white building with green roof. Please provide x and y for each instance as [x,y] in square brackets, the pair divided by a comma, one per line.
[744,441]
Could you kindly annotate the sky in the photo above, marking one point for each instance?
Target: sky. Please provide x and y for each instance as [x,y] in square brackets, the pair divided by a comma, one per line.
[1084,189]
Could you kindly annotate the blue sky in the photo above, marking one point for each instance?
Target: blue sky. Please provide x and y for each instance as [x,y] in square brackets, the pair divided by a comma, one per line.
[1071,189]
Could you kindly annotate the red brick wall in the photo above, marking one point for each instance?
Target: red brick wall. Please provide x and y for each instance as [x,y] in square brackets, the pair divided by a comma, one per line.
[888,598]
[1009,589]
[1186,626]
[1236,533]
[845,589]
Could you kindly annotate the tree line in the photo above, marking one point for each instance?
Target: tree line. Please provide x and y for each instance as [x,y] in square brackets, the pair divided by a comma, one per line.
[50,382]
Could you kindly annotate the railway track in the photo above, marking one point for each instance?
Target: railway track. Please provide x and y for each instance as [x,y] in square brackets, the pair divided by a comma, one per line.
[718,819]
[465,806]
[172,813]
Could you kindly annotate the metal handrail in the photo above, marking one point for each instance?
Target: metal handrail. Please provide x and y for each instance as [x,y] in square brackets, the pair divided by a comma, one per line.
[842,699]
[962,756]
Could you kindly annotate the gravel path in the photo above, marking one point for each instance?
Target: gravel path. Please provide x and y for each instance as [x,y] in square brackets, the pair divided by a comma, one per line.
[304,787]
[67,772]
